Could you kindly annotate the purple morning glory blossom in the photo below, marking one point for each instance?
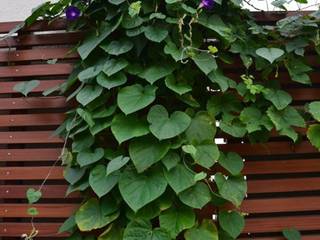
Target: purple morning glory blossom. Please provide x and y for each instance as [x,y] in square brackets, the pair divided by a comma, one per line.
[207,4]
[72,13]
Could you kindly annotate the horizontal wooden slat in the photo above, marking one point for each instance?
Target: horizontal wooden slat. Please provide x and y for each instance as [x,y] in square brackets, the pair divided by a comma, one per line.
[58,24]
[45,210]
[37,54]
[277,224]
[26,155]
[30,173]
[12,229]
[32,103]
[273,205]
[305,237]
[305,94]
[270,148]
[284,185]
[48,191]
[282,166]
[36,70]
[69,38]
[28,137]
[7,87]
[45,119]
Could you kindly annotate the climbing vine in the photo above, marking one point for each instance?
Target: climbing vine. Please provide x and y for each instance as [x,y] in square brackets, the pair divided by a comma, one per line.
[154,91]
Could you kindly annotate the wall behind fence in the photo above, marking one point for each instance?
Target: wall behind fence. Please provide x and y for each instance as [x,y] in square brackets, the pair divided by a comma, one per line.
[283,179]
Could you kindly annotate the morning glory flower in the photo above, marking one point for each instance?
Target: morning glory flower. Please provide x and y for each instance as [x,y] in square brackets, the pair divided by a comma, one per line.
[72,13]
[207,4]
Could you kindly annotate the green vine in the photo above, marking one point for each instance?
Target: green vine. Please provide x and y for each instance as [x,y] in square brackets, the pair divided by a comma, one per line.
[153,93]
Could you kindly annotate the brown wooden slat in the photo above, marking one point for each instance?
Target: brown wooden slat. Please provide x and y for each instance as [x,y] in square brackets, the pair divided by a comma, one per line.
[12,229]
[284,185]
[7,87]
[32,103]
[28,137]
[48,191]
[45,210]
[273,205]
[282,166]
[45,119]
[277,224]
[270,148]
[307,237]
[305,94]
[27,155]
[69,38]
[36,70]
[37,54]
[30,173]
[58,24]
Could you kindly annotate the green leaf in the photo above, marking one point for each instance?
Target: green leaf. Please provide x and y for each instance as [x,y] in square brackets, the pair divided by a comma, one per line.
[94,214]
[216,76]
[126,127]
[92,40]
[100,182]
[207,154]
[135,97]
[285,119]
[197,196]
[68,225]
[291,234]
[117,47]
[313,135]
[202,128]
[178,87]
[32,211]
[142,229]
[73,175]
[113,66]
[88,94]
[254,120]
[235,129]
[298,70]
[140,189]
[134,8]
[314,109]
[232,222]
[170,160]
[116,2]
[279,98]
[156,33]
[231,162]
[86,116]
[173,50]
[207,230]
[146,151]
[177,219]
[115,80]
[270,54]
[86,157]
[180,178]
[26,87]
[154,73]
[206,62]
[165,127]
[113,232]
[117,163]
[89,73]
[233,189]
[33,195]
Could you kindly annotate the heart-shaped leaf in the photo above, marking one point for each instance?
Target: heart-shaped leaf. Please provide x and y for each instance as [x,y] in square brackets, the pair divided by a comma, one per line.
[127,127]
[291,234]
[117,163]
[207,230]
[270,54]
[197,196]
[155,33]
[135,97]
[87,157]
[117,47]
[113,66]
[231,222]
[73,175]
[140,189]
[180,178]
[206,62]
[33,195]
[154,73]
[146,151]
[88,94]
[100,182]
[26,87]
[115,80]
[164,127]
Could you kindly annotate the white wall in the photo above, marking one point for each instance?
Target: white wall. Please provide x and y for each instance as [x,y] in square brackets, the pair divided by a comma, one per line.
[14,10]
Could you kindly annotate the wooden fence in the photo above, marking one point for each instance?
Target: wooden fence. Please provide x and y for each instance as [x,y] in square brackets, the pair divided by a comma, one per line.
[283,179]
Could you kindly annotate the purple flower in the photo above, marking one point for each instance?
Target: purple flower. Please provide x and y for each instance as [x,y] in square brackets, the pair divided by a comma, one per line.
[72,13]
[207,4]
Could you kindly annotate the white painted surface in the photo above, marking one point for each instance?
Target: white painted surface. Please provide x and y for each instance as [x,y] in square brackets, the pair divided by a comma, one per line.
[15,10]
